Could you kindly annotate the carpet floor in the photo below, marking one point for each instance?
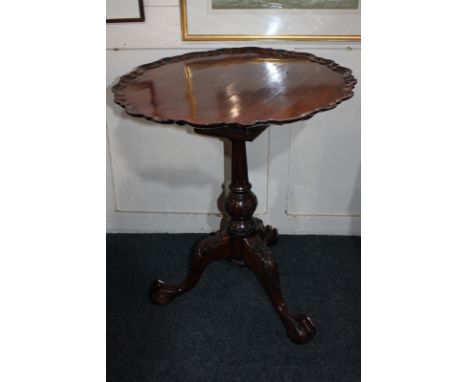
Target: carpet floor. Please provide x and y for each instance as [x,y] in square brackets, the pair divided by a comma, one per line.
[225,329]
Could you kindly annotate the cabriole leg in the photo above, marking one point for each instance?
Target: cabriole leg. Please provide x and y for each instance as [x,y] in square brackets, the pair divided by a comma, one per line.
[299,327]
[209,249]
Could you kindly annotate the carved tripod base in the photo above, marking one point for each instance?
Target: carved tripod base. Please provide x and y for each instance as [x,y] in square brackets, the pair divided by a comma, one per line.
[245,242]
[254,252]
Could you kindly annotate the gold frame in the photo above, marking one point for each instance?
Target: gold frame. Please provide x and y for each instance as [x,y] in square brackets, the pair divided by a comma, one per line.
[244,37]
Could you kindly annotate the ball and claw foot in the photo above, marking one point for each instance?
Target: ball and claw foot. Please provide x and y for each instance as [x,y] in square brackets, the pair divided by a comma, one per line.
[162,293]
[299,327]
[268,234]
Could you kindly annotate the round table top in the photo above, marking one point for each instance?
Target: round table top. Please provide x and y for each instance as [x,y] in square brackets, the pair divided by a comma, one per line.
[235,87]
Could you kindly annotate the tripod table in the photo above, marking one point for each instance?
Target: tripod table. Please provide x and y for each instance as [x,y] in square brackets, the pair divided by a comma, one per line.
[236,93]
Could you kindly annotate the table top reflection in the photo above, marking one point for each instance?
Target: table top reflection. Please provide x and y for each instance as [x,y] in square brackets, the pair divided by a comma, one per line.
[234,87]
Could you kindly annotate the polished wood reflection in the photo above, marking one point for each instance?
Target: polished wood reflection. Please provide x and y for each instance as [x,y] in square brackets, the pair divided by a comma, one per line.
[238,86]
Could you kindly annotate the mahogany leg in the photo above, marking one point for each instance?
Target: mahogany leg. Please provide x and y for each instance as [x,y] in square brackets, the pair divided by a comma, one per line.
[299,327]
[268,234]
[212,248]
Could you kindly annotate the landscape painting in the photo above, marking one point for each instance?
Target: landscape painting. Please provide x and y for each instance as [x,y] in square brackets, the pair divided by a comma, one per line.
[285,4]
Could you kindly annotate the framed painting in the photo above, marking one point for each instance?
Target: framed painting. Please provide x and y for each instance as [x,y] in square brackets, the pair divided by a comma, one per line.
[124,11]
[215,20]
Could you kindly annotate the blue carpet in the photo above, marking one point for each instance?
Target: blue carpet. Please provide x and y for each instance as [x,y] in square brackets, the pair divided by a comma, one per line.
[225,329]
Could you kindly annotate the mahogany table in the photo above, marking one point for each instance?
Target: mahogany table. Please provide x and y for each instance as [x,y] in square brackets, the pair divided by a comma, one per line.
[236,94]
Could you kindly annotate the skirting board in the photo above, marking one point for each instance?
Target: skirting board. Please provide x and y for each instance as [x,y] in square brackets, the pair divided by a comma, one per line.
[202,223]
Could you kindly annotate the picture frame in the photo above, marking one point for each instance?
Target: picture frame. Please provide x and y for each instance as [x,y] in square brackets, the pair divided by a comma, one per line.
[124,11]
[200,22]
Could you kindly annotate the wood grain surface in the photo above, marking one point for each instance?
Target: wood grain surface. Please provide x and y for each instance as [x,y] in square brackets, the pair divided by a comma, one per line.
[235,87]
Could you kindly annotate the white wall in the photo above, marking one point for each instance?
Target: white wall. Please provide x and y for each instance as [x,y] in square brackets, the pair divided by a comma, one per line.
[164,178]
